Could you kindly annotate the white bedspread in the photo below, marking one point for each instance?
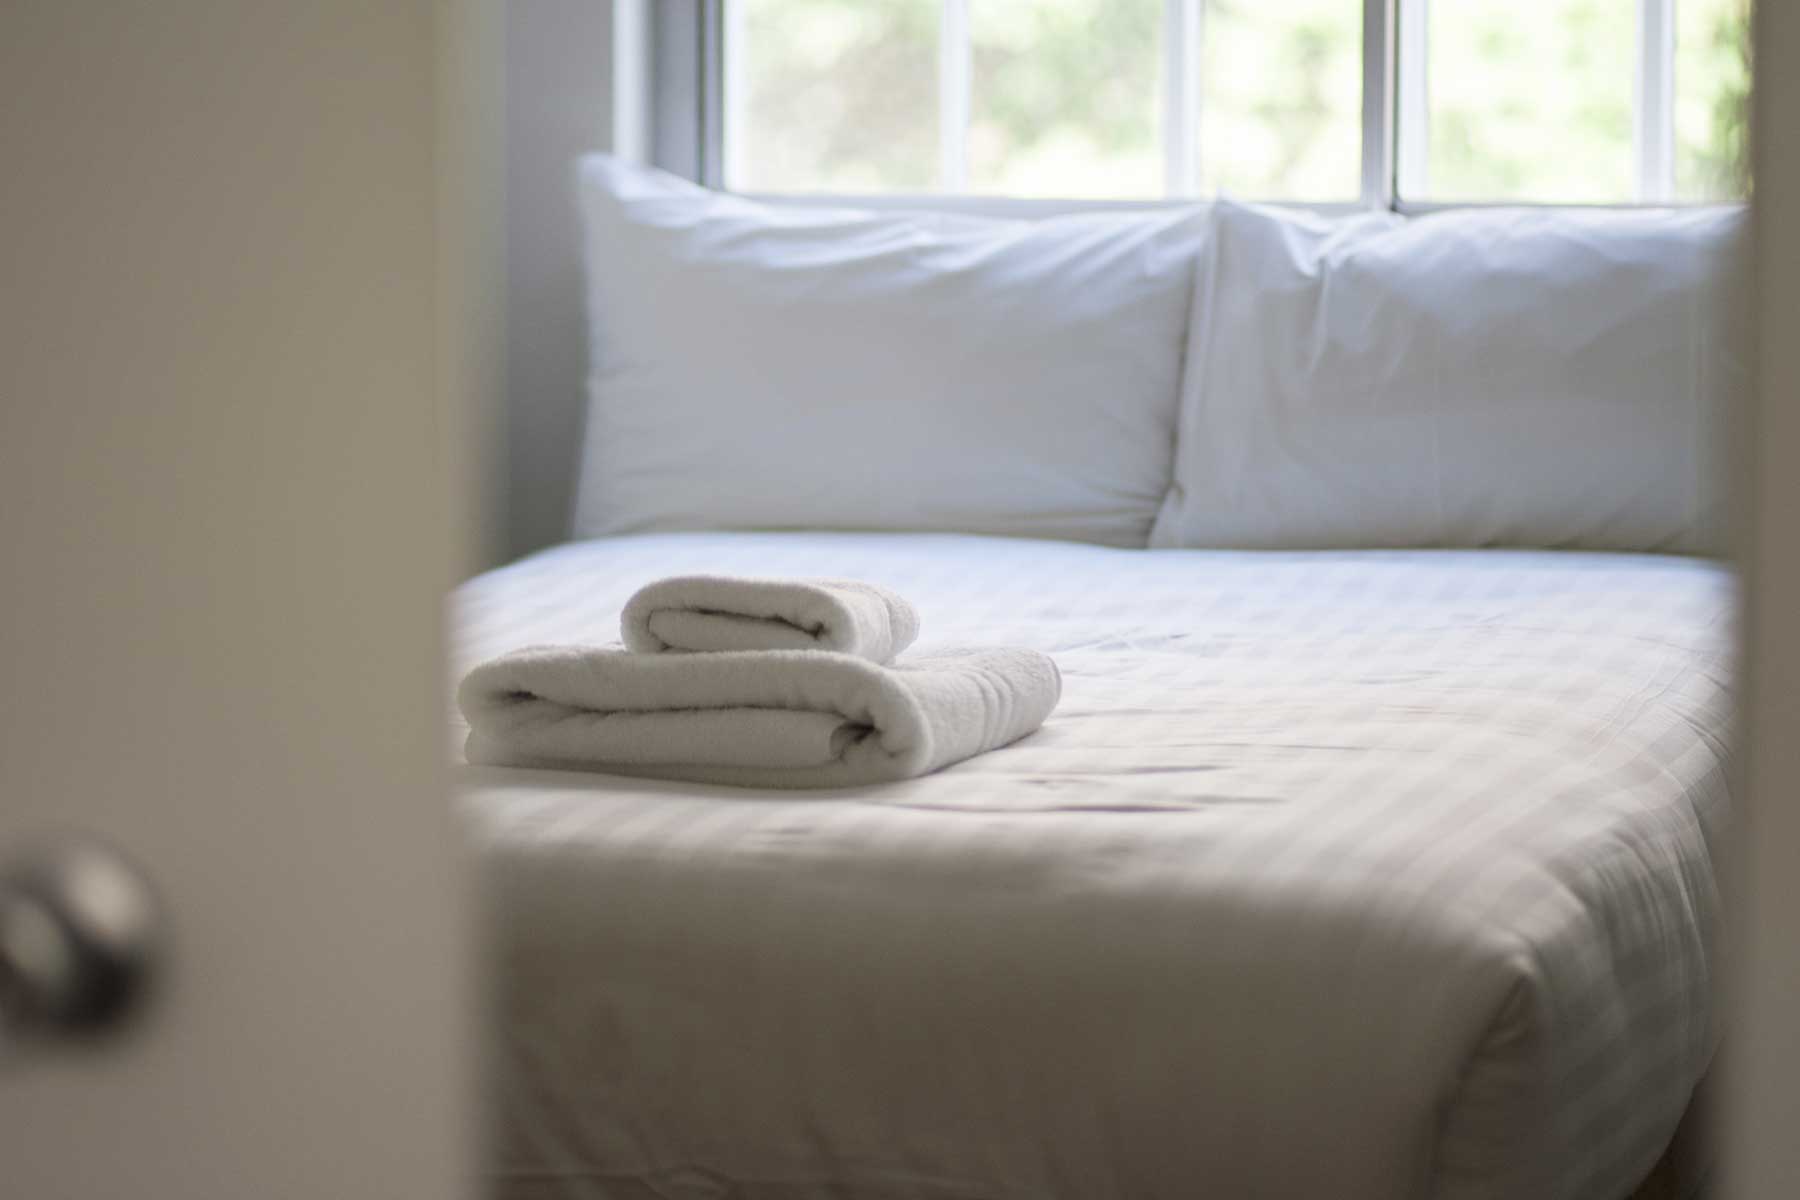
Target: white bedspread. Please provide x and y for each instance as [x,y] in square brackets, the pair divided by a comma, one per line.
[1340,875]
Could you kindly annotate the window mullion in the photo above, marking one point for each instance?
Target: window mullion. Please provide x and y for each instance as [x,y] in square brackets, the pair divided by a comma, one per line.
[1181,97]
[1412,114]
[728,150]
[1654,107]
[711,74]
[1378,103]
[953,96]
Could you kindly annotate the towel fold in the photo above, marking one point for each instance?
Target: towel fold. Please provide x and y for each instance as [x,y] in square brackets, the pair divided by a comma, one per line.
[756,719]
[719,612]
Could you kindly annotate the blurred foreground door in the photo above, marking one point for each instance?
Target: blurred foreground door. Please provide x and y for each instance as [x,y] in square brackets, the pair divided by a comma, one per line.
[224,549]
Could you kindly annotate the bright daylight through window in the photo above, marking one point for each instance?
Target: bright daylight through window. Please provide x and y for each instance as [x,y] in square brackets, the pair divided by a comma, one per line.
[1561,101]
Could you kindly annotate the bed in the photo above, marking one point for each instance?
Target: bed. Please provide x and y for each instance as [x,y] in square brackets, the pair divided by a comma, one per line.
[1350,874]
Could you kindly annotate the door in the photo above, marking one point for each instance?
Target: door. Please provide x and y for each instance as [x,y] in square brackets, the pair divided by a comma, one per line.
[224,556]
[1763,1043]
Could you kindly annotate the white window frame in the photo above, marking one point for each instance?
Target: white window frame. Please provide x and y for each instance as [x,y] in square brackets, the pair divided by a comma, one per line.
[682,104]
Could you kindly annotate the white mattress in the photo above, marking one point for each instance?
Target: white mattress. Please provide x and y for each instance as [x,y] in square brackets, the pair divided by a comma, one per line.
[1349,875]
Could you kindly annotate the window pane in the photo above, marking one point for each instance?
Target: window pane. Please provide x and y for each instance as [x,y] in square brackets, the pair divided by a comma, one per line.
[1281,99]
[833,97]
[1532,101]
[1712,90]
[1065,98]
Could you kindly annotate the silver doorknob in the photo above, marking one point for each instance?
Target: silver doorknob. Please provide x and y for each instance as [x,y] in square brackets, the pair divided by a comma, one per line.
[78,940]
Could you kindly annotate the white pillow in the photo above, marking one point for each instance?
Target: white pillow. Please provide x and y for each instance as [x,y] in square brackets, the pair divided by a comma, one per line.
[1526,377]
[766,366]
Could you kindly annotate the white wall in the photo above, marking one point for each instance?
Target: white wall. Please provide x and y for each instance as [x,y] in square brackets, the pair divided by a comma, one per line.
[558,100]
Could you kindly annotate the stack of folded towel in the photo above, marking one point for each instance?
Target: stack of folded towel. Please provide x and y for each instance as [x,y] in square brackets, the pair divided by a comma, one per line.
[761,683]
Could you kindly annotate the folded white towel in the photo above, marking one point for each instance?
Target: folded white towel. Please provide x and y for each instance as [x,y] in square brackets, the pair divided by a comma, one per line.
[773,718]
[719,612]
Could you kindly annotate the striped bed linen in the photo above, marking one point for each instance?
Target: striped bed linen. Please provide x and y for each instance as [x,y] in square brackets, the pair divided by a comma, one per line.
[1374,874]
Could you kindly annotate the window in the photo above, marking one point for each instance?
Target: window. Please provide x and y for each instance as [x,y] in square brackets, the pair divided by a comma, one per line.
[1312,101]
[1098,99]
[1597,101]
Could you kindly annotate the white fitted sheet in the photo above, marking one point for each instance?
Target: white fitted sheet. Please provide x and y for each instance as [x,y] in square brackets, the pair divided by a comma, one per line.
[1334,874]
